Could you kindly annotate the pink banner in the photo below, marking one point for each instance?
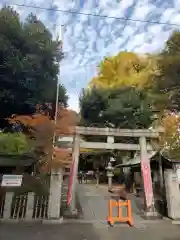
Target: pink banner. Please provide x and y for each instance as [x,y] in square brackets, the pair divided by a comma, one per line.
[70,184]
[146,171]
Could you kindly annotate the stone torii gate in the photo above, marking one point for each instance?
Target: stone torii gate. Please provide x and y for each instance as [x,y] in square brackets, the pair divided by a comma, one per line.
[111,133]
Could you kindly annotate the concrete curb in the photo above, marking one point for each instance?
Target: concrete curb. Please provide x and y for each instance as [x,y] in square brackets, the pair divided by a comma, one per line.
[42,221]
[66,221]
[118,224]
[176,222]
[53,221]
[20,220]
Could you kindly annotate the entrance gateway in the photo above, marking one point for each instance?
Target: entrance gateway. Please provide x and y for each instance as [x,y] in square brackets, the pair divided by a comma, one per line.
[111,133]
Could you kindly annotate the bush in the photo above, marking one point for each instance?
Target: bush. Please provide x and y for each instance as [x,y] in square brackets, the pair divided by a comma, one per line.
[13,143]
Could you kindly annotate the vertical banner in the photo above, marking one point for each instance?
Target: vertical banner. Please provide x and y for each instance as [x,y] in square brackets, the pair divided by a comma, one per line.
[70,183]
[146,173]
[73,173]
[148,190]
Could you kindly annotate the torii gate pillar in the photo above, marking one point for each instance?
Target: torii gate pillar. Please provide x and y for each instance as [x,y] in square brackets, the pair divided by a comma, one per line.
[150,211]
[75,163]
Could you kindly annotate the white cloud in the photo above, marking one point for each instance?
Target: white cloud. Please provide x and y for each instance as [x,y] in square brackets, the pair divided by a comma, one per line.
[141,12]
[168,14]
[74,102]
[109,35]
[176,4]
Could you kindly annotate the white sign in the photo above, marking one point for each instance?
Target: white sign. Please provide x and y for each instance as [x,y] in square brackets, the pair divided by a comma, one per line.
[11,181]
[178,173]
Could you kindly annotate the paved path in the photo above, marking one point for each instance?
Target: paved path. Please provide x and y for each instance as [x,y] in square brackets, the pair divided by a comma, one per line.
[155,231]
[86,231]
[68,231]
[94,203]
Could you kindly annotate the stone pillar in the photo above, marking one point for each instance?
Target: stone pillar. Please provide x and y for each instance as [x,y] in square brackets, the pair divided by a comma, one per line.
[30,206]
[75,159]
[7,205]
[54,205]
[147,180]
[110,183]
[172,194]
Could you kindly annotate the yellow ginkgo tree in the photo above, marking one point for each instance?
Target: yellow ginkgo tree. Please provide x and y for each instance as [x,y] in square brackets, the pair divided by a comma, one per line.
[124,70]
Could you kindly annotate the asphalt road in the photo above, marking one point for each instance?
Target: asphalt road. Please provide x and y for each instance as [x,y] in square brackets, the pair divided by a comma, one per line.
[86,231]
[69,231]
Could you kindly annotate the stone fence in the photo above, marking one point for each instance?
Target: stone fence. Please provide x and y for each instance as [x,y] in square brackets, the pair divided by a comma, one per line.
[22,203]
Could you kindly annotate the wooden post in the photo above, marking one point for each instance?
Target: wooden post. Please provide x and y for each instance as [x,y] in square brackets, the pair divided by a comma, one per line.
[147,180]
[75,159]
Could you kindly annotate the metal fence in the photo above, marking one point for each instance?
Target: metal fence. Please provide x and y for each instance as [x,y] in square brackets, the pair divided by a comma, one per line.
[18,206]
[40,208]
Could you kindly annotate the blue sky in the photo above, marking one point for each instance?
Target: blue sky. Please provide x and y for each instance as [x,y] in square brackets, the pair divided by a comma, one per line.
[88,39]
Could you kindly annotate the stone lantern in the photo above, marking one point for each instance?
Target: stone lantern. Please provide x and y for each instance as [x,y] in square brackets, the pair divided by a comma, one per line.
[110,174]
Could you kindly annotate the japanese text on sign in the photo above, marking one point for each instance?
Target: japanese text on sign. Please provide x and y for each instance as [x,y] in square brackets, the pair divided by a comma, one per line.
[11,181]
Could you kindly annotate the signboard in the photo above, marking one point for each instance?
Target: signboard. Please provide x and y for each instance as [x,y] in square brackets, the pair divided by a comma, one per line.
[178,172]
[146,171]
[11,181]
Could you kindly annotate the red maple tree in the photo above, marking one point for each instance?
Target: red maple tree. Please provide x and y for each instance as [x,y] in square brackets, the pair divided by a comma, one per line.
[40,128]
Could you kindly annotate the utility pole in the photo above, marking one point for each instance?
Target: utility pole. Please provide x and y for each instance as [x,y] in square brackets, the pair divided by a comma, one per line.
[56,176]
[57,89]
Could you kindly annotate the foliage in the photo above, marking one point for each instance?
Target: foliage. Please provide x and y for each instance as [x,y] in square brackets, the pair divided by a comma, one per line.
[170,140]
[29,64]
[121,95]
[92,104]
[63,96]
[126,69]
[121,108]
[66,120]
[130,88]
[167,81]
[40,129]
[13,143]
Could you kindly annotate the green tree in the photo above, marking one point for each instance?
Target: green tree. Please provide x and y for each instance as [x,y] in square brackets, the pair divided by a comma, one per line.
[92,104]
[167,80]
[121,108]
[128,107]
[29,64]
[128,69]
[63,96]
